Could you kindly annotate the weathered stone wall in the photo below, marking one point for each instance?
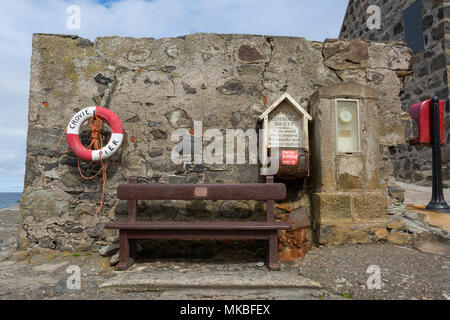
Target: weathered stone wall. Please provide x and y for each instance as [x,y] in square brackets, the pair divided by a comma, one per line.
[411,164]
[158,85]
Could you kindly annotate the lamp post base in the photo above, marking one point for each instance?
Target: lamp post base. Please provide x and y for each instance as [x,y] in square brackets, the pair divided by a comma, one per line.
[438,206]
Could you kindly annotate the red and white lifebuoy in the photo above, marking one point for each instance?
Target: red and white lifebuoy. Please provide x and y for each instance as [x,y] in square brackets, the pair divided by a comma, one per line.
[107,151]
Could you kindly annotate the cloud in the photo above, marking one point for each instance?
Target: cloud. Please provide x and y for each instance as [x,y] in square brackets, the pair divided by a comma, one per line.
[19,19]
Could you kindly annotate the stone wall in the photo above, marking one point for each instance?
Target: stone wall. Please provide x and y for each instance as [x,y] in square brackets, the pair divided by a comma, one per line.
[158,85]
[411,164]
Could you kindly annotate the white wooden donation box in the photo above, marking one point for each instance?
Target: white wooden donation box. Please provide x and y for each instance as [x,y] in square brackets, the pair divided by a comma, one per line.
[285,125]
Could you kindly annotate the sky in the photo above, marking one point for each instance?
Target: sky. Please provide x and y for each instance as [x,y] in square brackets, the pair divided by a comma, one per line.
[19,19]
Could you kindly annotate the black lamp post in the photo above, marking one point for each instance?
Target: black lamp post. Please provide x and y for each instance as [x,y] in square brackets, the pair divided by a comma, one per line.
[437,202]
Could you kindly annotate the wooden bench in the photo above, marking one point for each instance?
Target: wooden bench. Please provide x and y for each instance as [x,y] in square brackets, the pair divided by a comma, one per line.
[133,230]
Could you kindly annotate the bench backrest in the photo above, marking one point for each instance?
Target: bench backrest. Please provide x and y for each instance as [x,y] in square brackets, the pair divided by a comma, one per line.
[254,191]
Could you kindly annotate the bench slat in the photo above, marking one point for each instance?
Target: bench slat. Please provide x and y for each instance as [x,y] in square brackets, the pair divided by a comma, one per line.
[254,191]
[198,225]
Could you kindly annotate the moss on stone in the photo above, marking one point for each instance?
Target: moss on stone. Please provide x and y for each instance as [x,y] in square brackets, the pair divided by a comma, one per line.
[59,56]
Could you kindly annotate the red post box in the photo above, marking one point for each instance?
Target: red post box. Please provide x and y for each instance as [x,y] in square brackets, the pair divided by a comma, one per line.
[421,113]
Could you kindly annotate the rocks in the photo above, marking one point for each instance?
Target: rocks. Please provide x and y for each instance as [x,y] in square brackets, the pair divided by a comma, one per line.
[235,210]
[5,255]
[438,63]
[299,218]
[153,124]
[172,51]
[381,234]
[179,119]
[399,238]
[397,225]
[166,166]
[250,70]
[188,89]
[96,231]
[249,54]
[340,55]
[158,134]
[109,250]
[156,152]
[396,193]
[99,78]
[43,142]
[138,55]
[114,259]
[420,222]
[415,226]
[231,87]
[394,58]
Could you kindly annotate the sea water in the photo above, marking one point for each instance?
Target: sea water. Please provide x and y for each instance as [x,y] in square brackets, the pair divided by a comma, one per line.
[9,199]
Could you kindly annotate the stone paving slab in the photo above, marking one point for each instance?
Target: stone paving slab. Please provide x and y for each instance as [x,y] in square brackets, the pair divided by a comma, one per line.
[435,219]
[434,247]
[206,276]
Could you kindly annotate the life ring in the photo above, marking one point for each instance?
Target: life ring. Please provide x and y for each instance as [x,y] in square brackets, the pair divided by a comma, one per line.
[73,129]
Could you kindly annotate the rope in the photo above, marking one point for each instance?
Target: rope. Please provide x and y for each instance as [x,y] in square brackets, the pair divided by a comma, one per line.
[96,143]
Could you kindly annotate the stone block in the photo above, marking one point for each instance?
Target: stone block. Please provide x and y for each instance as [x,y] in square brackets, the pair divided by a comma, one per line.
[393,57]
[350,172]
[339,233]
[332,206]
[369,205]
[341,55]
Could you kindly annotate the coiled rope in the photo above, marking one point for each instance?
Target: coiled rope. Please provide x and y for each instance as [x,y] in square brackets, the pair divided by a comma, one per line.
[96,143]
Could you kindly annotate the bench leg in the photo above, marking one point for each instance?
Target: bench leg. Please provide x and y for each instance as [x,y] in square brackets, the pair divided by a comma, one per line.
[125,260]
[272,254]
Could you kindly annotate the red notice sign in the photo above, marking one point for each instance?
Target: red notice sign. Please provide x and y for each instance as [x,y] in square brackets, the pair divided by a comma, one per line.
[289,157]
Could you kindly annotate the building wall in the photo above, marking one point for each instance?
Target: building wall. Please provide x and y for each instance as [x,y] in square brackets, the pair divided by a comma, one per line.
[430,77]
[157,86]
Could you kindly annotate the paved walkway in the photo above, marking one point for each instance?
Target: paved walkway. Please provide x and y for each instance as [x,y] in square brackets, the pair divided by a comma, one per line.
[419,195]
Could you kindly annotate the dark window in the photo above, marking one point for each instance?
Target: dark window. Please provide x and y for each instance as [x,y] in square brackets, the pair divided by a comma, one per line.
[412,21]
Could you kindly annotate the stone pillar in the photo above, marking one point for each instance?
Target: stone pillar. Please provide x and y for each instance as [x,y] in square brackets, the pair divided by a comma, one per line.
[348,201]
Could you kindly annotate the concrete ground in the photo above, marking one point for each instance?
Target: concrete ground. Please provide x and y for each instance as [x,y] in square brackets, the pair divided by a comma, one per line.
[341,272]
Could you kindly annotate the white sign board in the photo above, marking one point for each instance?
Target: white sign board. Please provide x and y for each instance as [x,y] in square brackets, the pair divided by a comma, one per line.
[285,128]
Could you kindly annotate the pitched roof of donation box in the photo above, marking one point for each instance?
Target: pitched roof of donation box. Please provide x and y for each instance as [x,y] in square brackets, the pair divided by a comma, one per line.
[291,102]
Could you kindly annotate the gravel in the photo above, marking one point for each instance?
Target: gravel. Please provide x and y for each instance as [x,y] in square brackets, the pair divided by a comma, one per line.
[406,274]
